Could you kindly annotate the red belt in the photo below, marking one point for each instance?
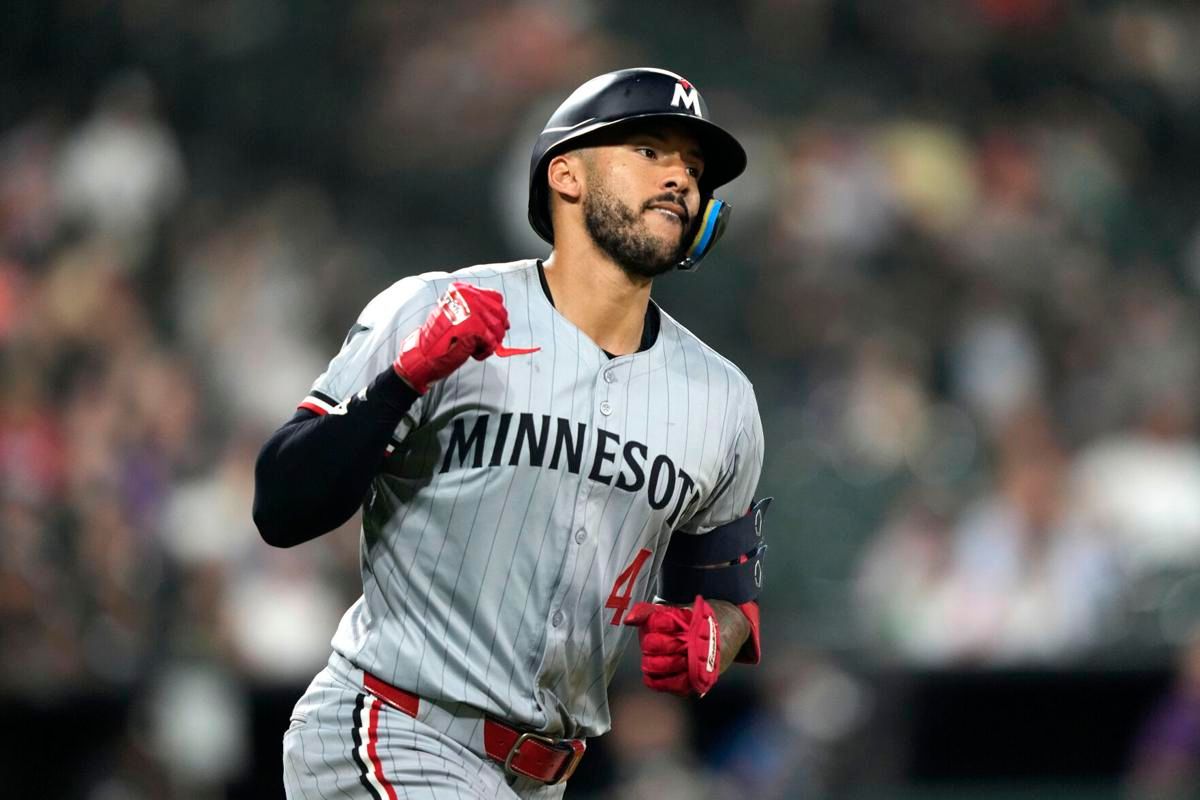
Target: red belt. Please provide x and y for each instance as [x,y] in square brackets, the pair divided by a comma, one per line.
[524,753]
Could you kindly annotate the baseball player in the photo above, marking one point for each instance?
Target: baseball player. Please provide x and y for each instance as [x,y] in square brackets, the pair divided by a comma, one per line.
[546,461]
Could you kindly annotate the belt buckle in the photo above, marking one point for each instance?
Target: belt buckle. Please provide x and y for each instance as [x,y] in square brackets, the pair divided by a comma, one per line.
[563,775]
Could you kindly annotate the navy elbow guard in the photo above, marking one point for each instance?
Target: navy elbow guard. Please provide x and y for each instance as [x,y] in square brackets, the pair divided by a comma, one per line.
[723,564]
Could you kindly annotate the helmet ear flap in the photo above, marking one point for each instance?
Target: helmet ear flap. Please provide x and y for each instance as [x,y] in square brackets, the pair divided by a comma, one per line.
[710,226]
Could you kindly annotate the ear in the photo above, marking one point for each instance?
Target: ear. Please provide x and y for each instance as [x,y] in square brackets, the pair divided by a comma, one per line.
[564,174]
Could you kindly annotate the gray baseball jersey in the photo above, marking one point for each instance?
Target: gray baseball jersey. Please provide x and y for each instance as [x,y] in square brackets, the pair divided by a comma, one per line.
[528,499]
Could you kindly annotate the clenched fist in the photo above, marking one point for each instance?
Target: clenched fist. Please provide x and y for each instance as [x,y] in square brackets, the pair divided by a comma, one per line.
[681,647]
[468,322]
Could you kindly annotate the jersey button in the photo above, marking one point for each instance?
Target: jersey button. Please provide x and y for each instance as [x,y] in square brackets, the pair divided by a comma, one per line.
[606,408]
[580,535]
[609,376]
[558,618]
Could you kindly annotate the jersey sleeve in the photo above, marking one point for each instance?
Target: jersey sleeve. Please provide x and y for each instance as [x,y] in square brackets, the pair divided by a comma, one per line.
[372,345]
[734,492]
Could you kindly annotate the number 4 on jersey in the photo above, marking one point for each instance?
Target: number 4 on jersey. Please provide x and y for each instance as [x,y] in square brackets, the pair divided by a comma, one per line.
[622,591]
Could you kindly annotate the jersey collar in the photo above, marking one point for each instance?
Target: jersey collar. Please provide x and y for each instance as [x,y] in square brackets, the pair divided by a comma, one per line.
[650,326]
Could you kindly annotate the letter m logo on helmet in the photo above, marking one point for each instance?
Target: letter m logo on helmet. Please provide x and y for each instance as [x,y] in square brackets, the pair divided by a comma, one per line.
[687,96]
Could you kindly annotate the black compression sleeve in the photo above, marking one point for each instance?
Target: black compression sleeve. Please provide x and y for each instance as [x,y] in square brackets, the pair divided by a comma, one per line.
[313,473]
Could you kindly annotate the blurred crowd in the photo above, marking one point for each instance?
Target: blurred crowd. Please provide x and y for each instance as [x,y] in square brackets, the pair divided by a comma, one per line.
[963,274]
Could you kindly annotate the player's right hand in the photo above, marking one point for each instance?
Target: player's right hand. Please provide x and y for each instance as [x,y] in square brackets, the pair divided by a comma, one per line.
[468,322]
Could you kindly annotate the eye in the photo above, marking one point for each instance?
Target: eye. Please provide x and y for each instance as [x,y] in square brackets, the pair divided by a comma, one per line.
[694,172]
[648,152]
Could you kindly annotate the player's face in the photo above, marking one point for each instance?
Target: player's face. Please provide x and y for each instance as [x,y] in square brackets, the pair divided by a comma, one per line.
[643,194]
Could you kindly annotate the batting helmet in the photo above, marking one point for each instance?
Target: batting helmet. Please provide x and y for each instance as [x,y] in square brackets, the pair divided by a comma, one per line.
[621,97]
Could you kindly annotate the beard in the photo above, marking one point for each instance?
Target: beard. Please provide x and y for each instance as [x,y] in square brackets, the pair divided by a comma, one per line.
[624,237]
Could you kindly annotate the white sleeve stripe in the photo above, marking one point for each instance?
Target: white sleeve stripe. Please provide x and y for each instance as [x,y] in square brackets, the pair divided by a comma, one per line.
[313,400]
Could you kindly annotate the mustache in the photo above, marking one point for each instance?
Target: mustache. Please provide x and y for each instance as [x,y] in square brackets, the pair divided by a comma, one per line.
[667,197]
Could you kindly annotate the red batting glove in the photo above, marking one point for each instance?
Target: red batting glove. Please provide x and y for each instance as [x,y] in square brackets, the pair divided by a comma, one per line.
[681,647]
[468,322]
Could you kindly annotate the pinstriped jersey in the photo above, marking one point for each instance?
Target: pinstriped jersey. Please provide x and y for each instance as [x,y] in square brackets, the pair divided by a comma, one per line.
[527,500]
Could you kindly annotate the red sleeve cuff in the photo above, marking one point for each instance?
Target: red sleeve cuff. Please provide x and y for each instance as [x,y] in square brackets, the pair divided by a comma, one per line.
[751,652]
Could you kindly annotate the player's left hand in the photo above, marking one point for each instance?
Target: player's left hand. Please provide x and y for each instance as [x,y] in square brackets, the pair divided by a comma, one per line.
[681,646]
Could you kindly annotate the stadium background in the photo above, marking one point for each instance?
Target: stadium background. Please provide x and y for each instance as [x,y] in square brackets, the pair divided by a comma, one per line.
[962,274]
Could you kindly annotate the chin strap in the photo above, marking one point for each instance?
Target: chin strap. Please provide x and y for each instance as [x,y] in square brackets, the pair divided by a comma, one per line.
[711,226]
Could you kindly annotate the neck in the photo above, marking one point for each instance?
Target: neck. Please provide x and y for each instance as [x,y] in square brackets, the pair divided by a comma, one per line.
[598,297]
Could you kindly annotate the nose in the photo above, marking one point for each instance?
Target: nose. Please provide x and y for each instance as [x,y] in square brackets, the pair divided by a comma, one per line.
[676,176]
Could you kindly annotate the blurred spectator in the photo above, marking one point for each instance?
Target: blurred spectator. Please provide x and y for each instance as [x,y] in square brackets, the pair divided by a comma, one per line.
[1142,487]
[792,740]
[469,82]
[246,303]
[1166,757]
[1141,484]
[649,740]
[121,172]
[29,201]
[1016,578]
[836,201]
[903,582]
[931,173]
[198,726]
[996,366]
